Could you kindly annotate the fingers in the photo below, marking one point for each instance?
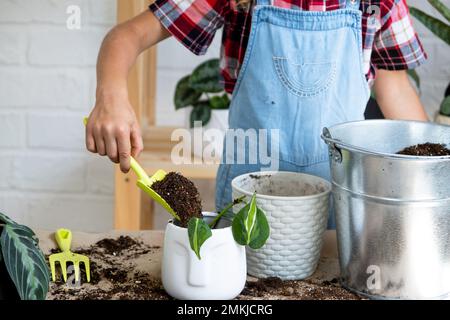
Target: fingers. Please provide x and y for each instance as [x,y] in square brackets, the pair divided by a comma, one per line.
[90,141]
[124,149]
[99,143]
[111,146]
[137,145]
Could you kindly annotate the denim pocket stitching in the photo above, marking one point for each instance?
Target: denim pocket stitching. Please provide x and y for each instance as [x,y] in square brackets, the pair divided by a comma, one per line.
[295,89]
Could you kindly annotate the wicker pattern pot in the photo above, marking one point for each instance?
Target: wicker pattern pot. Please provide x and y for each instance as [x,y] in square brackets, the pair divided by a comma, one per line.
[296,206]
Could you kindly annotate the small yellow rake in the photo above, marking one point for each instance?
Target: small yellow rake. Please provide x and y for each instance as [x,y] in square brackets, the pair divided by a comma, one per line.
[63,238]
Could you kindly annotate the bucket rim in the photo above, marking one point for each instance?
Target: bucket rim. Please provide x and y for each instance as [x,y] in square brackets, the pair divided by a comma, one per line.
[349,147]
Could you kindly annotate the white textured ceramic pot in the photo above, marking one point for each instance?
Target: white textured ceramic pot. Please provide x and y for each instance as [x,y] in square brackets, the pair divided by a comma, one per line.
[219,275]
[441,119]
[296,206]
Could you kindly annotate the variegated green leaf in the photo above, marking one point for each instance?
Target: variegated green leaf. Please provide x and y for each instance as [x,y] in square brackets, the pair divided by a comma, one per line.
[250,226]
[250,217]
[25,262]
[198,232]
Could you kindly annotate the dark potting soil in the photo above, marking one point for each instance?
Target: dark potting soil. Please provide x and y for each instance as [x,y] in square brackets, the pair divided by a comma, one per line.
[182,196]
[297,290]
[113,277]
[426,150]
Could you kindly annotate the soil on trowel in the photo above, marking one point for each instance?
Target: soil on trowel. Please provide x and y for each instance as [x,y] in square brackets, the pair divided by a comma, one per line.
[313,289]
[182,196]
[426,150]
[113,274]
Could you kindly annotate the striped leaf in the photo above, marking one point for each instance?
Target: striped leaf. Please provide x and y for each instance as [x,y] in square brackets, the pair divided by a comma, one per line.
[250,226]
[436,26]
[24,261]
[5,219]
[439,6]
[250,218]
[198,232]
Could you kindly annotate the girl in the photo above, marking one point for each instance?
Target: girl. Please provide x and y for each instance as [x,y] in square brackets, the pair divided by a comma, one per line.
[295,66]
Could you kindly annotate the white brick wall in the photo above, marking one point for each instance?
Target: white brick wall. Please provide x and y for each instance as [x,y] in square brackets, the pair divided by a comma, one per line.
[47,83]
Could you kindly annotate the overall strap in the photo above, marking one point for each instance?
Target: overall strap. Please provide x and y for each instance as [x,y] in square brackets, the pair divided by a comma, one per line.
[353,4]
[263,2]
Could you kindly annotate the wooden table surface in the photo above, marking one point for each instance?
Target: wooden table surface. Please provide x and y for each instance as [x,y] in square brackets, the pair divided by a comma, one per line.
[328,267]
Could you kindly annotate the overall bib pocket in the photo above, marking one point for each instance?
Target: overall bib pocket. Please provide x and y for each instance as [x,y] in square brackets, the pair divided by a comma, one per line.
[306,79]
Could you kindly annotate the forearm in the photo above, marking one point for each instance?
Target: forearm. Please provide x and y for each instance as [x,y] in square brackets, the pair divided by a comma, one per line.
[113,128]
[120,49]
[397,98]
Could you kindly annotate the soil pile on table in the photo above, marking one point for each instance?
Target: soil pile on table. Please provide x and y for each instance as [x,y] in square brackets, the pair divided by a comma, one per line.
[113,274]
[275,288]
[426,150]
[182,196]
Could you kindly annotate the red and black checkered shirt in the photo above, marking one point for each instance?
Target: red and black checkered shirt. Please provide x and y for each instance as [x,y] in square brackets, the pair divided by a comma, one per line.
[389,41]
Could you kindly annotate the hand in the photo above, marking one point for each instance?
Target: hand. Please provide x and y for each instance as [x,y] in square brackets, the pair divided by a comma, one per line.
[113,130]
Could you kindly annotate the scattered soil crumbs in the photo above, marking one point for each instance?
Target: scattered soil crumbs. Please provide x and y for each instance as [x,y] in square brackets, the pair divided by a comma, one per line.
[182,196]
[426,150]
[113,274]
[275,288]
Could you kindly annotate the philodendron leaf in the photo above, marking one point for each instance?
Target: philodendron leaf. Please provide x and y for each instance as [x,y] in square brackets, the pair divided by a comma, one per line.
[25,262]
[250,219]
[261,231]
[445,107]
[200,112]
[184,94]
[250,226]
[206,77]
[198,231]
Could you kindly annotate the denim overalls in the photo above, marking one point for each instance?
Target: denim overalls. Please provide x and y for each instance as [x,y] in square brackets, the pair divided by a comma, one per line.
[302,71]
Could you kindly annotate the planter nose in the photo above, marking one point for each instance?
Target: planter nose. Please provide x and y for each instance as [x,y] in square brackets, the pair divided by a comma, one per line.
[197,271]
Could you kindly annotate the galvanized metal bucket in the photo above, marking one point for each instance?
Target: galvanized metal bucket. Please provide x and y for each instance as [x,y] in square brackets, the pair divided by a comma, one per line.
[392,211]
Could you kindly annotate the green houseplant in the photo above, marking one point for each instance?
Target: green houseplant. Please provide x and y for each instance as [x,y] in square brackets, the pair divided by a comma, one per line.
[203,91]
[249,226]
[23,270]
[442,30]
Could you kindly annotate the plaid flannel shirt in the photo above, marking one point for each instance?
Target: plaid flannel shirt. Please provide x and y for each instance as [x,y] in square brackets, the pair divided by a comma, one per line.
[389,40]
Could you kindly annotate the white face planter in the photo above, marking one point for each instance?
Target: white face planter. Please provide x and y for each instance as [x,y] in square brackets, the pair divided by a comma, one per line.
[220,274]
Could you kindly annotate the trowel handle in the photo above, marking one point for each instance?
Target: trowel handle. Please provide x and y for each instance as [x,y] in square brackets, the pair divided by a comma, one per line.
[63,238]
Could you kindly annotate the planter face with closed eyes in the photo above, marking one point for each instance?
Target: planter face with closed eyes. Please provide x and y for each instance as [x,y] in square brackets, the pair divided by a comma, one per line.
[219,274]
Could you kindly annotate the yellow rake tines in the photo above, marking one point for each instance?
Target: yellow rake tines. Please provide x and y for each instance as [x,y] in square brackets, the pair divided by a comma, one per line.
[64,239]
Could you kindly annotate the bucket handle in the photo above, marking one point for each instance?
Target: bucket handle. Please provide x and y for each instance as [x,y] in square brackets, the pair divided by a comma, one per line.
[335,151]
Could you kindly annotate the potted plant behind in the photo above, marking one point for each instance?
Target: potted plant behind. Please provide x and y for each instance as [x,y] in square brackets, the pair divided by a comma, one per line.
[203,91]
[23,270]
[204,253]
[442,30]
